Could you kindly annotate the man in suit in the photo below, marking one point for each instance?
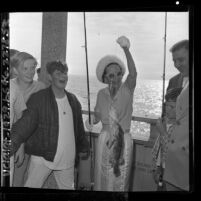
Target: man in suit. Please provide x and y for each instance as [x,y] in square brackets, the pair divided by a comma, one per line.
[176,174]
[180,56]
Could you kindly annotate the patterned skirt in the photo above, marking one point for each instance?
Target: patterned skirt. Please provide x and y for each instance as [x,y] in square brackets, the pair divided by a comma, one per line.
[105,180]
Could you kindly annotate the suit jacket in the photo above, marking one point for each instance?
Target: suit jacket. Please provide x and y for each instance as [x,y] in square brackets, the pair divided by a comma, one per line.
[175,81]
[177,162]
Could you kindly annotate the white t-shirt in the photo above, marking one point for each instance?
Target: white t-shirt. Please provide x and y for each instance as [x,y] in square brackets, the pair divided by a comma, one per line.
[65,154]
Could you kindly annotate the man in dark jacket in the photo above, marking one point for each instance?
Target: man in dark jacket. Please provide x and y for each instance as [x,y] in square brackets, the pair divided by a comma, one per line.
[180,56]
[53,130]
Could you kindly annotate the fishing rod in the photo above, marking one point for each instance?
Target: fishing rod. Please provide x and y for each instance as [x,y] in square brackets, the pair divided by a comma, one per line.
[89,112]
[160,183]
[164,65]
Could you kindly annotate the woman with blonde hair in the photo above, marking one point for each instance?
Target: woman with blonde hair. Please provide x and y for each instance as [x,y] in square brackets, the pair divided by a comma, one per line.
[25,65]
[17,105]
[114,107]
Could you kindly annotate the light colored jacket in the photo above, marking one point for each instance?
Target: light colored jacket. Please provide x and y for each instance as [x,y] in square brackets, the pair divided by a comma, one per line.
[177,163]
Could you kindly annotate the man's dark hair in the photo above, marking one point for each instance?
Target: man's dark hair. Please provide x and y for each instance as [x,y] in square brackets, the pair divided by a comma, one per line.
[179,45]
[56,65]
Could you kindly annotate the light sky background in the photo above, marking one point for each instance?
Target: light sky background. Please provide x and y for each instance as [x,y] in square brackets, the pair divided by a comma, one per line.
[145,31]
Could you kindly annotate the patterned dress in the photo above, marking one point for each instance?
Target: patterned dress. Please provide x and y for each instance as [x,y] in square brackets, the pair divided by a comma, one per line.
[105,179]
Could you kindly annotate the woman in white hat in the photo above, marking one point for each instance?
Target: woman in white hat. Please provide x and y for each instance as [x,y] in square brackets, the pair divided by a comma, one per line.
[114,110]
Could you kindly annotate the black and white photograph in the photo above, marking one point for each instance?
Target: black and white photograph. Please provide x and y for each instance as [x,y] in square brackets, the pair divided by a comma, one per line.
[99,101]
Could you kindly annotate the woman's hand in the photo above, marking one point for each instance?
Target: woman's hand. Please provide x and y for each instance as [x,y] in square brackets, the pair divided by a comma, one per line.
[88,125]
[124,42]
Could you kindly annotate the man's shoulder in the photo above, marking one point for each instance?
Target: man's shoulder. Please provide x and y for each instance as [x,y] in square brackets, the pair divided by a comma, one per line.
[39,94]
[104,91]
[39,85]
[72,96]
[175,77]
[13,85]
[175,81]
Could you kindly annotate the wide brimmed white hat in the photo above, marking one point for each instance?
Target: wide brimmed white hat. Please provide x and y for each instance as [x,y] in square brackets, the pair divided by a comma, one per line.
[104,62]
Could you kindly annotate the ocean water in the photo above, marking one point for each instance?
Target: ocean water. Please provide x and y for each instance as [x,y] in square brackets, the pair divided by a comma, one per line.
[147,100]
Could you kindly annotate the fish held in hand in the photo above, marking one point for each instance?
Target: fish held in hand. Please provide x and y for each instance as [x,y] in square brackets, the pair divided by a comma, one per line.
[116,144]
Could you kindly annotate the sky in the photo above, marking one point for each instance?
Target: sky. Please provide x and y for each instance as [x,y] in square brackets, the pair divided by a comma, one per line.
[145,31]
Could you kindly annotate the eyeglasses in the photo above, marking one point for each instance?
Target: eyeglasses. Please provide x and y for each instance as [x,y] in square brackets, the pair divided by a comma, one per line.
[112,75]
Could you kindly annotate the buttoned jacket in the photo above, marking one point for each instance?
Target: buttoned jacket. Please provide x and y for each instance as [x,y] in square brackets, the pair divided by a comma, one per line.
[177,163]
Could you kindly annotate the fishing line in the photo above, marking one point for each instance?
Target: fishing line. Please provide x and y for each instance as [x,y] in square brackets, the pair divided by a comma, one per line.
[160,183]
[164,65]
[89,112]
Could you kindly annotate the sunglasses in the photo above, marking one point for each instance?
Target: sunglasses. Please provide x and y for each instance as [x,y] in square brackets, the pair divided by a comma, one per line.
[112,75]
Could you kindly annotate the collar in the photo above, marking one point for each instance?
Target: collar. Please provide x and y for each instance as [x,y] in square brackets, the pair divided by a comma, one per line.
[107,92]
[185,81]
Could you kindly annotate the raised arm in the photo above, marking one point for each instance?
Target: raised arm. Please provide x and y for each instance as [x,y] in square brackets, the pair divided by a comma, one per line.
[131,79]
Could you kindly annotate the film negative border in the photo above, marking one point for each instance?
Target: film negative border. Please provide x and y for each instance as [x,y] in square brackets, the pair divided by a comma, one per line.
[5,102]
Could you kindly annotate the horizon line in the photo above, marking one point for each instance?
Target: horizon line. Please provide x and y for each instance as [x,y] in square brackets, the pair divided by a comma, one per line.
[142,78]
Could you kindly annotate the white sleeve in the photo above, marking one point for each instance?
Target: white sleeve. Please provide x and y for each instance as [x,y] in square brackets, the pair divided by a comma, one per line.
[19,105]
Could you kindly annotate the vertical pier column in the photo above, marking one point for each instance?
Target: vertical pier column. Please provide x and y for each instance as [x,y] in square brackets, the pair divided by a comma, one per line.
[53,47]
[54,35]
